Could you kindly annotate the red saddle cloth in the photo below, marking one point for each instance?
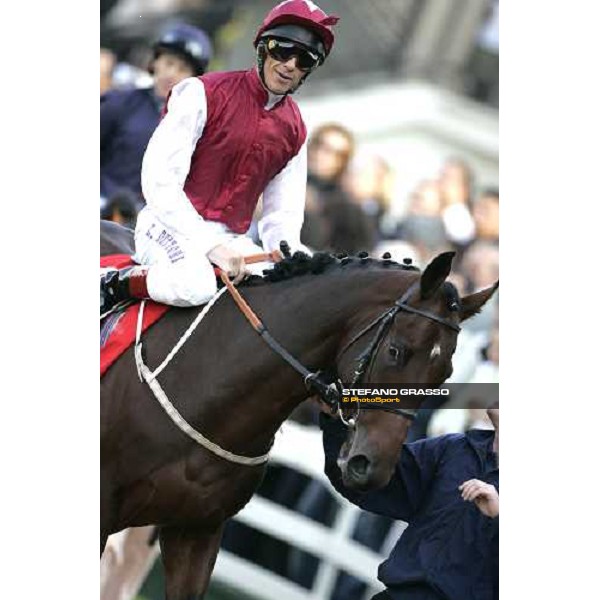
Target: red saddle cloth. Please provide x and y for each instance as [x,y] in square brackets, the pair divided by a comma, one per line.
[117,330]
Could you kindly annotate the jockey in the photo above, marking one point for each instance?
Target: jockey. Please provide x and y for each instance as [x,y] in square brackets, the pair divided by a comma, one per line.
[128,117]
[225,139]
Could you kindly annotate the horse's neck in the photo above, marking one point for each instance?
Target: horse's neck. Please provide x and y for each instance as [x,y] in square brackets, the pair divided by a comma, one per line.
[314,312]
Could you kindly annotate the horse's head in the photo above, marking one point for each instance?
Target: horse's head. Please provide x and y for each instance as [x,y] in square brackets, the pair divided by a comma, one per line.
[412,342]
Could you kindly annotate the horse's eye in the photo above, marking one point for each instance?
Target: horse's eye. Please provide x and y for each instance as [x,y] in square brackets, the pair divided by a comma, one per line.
[400,355]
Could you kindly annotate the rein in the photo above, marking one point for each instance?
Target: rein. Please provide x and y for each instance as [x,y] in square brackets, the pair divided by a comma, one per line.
[329,392]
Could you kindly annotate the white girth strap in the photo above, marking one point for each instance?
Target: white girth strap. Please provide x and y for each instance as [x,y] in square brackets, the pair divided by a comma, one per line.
[149,377]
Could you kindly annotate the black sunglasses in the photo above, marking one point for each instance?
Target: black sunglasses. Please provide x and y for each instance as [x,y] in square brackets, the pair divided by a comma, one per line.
[283,51]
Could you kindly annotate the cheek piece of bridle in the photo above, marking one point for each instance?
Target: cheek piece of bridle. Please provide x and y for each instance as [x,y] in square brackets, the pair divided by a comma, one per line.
[365,359]
[331,392]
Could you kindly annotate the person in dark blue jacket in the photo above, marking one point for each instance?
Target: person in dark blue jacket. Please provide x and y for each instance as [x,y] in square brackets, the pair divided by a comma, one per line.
[128,118]
[446,488]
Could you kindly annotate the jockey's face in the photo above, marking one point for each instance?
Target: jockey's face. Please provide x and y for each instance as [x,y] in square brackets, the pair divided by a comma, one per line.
[169,70]
[281,77]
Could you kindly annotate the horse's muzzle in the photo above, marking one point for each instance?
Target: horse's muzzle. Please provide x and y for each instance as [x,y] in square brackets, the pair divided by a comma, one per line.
[357,473]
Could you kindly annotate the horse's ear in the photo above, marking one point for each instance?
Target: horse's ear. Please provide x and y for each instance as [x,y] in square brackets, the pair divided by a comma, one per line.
[472,304]
[435,274]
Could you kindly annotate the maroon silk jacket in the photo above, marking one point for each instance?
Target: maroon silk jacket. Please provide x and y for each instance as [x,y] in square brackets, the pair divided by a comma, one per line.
[242,147]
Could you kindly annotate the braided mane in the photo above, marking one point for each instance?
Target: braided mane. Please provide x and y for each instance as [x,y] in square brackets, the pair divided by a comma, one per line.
[301,263]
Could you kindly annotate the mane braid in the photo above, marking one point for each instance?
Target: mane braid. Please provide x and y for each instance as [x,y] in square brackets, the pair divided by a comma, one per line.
[302,264]
[299,264]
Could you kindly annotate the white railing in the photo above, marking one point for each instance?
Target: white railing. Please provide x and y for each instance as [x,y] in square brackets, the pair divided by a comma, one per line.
[300,448]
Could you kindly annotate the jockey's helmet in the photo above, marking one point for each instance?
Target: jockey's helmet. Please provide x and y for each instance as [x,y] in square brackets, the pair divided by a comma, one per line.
[301,22]
[189,42]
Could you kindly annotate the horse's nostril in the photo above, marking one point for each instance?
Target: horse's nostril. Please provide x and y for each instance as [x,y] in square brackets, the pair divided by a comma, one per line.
[359,465]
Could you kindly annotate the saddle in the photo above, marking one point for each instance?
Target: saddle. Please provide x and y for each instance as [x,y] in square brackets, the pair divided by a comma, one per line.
[118,325]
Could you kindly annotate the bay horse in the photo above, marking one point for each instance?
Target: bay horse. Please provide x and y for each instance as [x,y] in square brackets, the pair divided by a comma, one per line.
[229,385]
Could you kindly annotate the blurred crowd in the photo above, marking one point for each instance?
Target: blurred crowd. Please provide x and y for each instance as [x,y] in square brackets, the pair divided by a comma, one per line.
[349,199]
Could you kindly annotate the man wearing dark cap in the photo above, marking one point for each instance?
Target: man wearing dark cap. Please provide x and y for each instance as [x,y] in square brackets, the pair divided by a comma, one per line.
[129,117]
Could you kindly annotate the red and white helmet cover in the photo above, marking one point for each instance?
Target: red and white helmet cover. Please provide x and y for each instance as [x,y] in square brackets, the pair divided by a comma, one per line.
[304,13]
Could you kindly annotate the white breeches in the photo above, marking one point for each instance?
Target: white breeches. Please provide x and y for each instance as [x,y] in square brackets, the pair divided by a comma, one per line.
[180,274]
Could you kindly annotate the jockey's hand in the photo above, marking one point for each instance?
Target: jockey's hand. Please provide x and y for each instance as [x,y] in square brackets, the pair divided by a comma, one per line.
[484,495]
[277,255]
[230,261]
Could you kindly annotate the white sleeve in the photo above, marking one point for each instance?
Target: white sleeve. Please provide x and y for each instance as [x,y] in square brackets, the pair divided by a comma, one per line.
[167,161]
[283,206]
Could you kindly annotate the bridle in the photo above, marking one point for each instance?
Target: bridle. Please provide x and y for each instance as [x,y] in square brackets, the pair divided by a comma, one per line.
[331,392]
[364,360]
